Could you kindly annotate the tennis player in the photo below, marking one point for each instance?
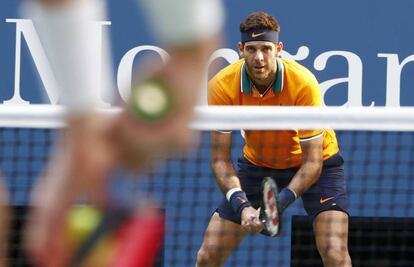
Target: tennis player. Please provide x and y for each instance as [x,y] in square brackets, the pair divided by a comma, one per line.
[154,121]
[303,163]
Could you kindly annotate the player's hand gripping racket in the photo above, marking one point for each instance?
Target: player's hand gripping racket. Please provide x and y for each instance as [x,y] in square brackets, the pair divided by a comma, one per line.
[269,212]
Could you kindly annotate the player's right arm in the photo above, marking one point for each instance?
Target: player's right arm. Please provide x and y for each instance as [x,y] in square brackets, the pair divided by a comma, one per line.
[229,183]
[221,161]
[222,165]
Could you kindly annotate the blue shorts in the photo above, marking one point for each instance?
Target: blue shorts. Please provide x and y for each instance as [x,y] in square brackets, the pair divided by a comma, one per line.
[328,193]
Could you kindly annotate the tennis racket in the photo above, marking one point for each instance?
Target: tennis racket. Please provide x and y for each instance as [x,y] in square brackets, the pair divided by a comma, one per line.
[122,239]
[269,213]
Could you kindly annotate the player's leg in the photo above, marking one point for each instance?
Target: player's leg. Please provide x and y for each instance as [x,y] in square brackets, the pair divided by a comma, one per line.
[331,235]
[327,202]
[220,239]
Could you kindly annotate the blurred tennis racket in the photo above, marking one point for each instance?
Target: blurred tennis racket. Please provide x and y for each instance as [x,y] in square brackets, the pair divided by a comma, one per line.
[122,238]
[151,100]
[269,213]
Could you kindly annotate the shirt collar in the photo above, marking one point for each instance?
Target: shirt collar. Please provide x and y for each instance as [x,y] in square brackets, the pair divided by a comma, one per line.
[246,84]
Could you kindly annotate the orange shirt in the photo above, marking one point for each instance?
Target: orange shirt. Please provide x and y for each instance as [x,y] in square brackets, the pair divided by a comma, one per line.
[294,86]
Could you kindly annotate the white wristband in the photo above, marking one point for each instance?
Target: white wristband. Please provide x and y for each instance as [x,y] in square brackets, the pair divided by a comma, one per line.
[231,192]
[293,191]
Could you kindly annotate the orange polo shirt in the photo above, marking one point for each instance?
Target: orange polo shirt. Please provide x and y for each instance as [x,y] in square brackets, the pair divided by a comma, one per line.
[294,86]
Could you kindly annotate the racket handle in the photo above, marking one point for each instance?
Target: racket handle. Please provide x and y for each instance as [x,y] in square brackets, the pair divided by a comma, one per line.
[140,240]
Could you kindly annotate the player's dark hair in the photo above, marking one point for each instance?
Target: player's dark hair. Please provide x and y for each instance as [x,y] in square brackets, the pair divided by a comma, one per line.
[259,21]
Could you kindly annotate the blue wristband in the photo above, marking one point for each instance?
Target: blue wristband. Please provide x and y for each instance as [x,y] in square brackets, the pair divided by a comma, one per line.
[285,198]
[238,201]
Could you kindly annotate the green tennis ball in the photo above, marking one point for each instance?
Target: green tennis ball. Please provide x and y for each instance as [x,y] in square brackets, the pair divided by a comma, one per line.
[81,221]
[151,100]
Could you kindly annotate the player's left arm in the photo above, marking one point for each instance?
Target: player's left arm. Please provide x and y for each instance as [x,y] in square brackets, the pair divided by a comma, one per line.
[310,169]
[311,142]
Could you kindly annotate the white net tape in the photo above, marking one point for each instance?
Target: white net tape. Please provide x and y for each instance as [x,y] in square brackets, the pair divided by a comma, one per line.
[242,117]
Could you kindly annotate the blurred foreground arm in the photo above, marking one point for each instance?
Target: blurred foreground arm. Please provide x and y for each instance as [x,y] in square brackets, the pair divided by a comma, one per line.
[92,145]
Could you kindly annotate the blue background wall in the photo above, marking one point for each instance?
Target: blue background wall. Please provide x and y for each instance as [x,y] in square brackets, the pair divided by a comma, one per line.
[360,27]
[379,166]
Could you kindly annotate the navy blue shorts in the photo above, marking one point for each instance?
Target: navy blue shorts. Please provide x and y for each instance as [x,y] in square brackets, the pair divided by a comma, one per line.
[328,193]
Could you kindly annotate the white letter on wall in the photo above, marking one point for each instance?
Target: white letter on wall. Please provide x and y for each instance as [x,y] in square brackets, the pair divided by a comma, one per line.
[124,75]
[25,28]
[228,55]
[394,69]
[301,54]
[354,78]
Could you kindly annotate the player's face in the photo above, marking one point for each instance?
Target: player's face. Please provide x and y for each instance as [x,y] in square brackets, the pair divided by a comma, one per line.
[260,58]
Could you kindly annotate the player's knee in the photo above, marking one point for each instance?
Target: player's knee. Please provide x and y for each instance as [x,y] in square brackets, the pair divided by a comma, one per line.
[334,256]
[202,258]
[205,258]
